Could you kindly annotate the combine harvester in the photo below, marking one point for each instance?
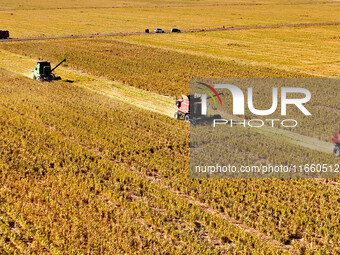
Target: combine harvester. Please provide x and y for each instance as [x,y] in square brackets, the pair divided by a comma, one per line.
[189,108]
[43,72]
[183,108]
[336,140]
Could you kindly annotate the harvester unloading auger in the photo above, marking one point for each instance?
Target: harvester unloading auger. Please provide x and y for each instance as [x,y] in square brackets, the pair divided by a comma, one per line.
[336,140]
[43,71]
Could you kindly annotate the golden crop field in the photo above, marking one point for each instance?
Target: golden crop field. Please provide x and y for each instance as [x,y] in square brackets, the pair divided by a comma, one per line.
[310,50]
[75,21]
[162,71]
[95,163]
[18,4]
[168,72]
[94,140]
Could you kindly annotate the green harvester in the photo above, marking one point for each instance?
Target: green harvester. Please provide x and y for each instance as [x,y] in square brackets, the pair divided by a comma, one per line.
[43,71]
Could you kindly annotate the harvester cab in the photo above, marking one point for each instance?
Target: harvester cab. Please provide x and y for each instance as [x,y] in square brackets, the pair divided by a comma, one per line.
[336,140]
[43,71]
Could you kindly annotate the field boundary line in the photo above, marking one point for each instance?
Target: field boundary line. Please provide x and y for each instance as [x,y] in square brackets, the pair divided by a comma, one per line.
[267,239]
[231,28]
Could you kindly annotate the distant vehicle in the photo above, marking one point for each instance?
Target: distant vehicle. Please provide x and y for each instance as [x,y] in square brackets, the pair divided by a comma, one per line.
[336,141]
[147,31]
[4,34]
[159,30]
[175,30]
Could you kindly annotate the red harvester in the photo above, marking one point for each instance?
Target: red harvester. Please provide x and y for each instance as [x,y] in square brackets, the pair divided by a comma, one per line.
[183,108]
[336,140]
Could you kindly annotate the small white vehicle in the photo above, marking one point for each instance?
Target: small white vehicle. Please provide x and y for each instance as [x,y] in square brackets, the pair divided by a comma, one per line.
[159,30]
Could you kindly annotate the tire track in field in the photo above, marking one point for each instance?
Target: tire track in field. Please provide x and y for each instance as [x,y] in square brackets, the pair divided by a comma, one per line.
[161,6]
[157,180]
[231,28]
